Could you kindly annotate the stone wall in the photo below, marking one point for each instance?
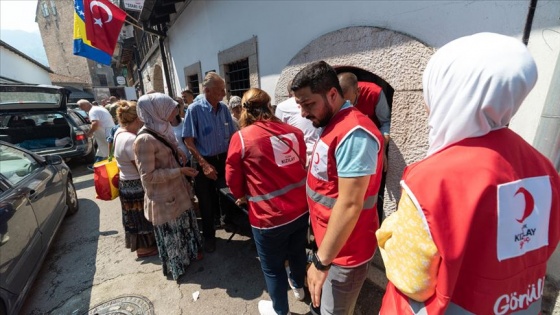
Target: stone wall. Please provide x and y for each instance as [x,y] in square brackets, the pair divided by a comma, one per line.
[396,58]
[400,61]
[152,74]
[56,31]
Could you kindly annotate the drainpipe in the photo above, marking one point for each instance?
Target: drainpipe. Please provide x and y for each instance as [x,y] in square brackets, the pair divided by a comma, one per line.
[165,65]
[529,21]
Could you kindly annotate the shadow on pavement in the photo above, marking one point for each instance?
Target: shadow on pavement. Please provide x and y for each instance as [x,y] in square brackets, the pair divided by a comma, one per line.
[233,266]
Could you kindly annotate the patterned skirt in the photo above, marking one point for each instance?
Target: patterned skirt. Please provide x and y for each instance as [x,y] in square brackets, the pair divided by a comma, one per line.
[139,232]
[179,242]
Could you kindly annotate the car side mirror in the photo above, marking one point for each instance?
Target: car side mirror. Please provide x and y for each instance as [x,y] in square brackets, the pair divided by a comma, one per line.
[53,159]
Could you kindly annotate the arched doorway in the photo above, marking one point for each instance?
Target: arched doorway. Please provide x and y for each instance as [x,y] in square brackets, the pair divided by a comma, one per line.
[364,75]
[393,60]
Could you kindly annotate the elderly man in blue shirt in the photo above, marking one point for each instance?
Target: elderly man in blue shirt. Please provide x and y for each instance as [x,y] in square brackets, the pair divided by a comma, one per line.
[206,132]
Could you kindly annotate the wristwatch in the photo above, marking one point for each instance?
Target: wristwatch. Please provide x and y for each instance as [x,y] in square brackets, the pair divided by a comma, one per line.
[318,264]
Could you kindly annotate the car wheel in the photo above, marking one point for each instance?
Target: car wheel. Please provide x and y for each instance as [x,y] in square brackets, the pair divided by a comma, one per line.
[71,197]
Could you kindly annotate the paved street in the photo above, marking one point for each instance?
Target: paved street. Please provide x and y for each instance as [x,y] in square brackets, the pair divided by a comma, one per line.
[89,265]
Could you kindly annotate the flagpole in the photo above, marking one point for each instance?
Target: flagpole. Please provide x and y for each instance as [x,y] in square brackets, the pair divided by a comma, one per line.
[136,24]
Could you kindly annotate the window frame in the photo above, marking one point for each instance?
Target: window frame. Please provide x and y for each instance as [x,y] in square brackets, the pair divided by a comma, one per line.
[194,69]
[244,50]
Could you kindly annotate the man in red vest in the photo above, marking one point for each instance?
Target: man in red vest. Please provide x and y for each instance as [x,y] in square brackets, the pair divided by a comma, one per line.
[480,216]
[342,185]
[369,98]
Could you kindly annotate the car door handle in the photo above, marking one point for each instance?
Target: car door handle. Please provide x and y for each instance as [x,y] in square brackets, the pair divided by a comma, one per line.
[32,194]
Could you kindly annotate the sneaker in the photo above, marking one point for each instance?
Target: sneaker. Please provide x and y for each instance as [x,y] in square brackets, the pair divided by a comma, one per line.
[299,293]
[90,167]
[4,239]
[266,308]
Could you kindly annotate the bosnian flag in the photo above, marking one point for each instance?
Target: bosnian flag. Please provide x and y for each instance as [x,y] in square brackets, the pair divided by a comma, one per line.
[82,44]
[103,21]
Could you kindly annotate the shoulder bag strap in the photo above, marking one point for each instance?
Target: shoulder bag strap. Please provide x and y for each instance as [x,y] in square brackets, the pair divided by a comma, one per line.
[162,140]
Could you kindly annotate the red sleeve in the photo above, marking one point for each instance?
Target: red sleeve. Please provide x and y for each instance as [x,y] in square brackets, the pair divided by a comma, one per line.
[235,175]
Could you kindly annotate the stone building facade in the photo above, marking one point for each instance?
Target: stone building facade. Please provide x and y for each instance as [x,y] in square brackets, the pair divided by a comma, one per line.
[56,24]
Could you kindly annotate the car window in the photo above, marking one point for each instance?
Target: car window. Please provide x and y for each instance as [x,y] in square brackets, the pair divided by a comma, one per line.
[15,164]
[40,119]
[77,119]
[4,120]
[15,95]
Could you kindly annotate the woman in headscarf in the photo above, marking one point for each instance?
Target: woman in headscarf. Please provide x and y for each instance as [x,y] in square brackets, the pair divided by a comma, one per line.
[139,232]
[266,164]
[480,216]
[167,201]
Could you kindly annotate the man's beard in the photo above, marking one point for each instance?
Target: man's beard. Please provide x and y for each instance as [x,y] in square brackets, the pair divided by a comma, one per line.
[328,114]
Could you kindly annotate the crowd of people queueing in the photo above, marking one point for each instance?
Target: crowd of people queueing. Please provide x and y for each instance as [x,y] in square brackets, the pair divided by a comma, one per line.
[476,223]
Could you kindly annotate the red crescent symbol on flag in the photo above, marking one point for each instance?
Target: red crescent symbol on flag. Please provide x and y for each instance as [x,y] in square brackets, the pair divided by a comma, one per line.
[103,6]
[529,203]
[317,158]
[289,143]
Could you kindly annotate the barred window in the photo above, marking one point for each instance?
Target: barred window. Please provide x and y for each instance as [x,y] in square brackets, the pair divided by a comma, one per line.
[192,83]
[102,79]
[237,77]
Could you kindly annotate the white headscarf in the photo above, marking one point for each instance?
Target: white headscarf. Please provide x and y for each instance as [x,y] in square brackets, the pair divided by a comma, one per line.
[474,85]
[153,110]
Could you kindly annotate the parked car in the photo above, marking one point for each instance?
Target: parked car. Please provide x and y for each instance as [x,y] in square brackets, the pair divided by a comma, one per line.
[82,113]
[35,117]
[36,192]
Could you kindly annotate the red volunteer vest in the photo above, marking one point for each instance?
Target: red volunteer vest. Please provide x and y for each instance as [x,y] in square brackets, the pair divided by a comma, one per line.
[495,222]
[367,100]
[322,188]
[274,174]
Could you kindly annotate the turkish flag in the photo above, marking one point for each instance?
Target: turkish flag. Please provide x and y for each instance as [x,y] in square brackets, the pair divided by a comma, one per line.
[103,21]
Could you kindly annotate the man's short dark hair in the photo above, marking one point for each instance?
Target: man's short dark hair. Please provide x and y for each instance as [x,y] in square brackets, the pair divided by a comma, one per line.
[319,76]
[187,91]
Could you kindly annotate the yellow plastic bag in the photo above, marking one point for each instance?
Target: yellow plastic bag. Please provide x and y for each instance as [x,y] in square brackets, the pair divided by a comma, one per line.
[106,179]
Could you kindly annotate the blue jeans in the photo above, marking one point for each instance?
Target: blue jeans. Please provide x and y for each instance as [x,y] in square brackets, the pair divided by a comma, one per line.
[276,245]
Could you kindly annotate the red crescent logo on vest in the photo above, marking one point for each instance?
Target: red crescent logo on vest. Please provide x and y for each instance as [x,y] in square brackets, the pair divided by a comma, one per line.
[529,203]
[289,143]
[317,158]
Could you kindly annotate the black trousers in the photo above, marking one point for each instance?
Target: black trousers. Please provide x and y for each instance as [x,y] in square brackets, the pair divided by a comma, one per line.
[381,193]
[211,202]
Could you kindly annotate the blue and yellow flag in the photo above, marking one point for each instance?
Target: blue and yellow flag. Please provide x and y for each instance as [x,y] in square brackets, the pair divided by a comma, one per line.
[83,46]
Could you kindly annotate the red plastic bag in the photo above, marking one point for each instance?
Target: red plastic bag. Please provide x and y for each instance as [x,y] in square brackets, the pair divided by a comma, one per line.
[106,179]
